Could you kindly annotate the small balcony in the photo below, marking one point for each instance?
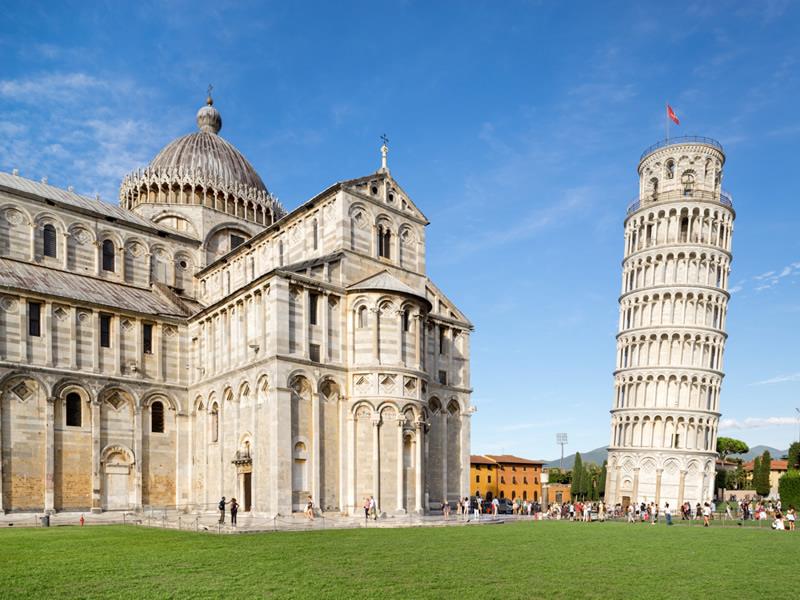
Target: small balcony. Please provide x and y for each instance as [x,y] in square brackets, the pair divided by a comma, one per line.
[723,197]
[684,139]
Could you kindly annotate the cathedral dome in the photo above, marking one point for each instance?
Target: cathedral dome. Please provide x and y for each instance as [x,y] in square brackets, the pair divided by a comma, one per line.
[207,168]
[204,152]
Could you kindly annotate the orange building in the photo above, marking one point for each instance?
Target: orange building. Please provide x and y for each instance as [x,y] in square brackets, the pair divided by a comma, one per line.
[505,476]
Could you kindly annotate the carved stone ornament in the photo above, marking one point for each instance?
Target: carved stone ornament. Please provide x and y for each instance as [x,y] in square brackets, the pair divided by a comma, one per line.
[136,250]
[8,304]
[22,390]
[60,313]
[82,236]
[14,216]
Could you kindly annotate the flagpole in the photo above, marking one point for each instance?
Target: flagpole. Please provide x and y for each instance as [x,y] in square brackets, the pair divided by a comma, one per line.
[666,119]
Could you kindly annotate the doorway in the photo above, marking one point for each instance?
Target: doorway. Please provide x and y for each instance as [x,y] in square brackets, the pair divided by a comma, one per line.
[248,491]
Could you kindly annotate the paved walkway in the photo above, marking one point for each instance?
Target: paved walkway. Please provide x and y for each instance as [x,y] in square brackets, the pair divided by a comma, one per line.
[247,523]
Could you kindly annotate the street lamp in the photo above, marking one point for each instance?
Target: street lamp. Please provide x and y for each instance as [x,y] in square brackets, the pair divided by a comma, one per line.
[798,423]
[561,439]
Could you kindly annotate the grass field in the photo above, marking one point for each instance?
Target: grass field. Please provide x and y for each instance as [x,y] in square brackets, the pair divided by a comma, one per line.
[521,560]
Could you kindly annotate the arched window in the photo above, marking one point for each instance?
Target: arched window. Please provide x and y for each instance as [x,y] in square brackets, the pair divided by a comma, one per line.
[685,229]
[670,169]
[362,317]
[108,255]
[157,417]
[215,423]
[73,410]
[384,241]
[406,320]
[280,253]
[316,234]
[49,241]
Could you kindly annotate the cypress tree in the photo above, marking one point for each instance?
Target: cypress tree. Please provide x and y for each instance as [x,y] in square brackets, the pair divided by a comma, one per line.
[577,477]
[601,484]
[762,483]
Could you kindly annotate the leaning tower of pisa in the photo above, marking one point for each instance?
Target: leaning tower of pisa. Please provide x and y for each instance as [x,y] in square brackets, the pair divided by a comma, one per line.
[671,336]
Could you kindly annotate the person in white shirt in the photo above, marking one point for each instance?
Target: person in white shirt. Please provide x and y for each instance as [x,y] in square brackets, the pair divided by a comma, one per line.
[706,514]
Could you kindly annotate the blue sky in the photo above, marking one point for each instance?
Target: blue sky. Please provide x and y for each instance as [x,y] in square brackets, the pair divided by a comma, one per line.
[516,127]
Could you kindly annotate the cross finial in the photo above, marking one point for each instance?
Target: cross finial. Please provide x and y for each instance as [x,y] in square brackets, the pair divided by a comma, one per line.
[209,100]
[384,151]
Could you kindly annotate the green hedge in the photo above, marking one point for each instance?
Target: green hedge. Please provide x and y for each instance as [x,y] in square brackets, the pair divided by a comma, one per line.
[789,489]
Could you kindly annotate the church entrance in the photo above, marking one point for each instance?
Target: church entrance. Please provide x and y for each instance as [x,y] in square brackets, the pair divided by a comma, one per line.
[248,491]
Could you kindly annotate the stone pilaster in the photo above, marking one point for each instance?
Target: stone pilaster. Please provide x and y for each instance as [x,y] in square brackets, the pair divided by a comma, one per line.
[50,455]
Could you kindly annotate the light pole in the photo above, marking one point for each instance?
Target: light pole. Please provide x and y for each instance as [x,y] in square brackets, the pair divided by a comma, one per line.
[561,439]
[798,423]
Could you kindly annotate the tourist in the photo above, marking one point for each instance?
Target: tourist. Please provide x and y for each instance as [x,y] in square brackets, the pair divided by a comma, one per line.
[777,524]
[373,508]
[698,511]
[221,507]
[706,513]
[495,507]
[667,514]
[654,512]
[234,511]
[309,511]
[631,516]
[446,509]
[466,507]
[477,507]
[791,516]
[366,507]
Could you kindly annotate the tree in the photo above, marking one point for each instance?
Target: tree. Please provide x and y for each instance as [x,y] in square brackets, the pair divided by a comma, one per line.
[556,475]
[577,476]
[761,478]
[601,485]
[793,456]
[726,446]
[789,488]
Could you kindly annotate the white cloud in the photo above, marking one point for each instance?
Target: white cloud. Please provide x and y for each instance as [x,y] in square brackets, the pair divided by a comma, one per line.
[779,379]
[757,422]
[80,129]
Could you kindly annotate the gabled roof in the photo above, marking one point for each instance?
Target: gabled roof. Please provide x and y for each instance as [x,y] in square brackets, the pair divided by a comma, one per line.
[478,459]
[68,199]
[19,275]
[361,181]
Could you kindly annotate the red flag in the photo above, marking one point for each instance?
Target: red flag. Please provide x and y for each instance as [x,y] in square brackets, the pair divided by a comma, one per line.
[671,114]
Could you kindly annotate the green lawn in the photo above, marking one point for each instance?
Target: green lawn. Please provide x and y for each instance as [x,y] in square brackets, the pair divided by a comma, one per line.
[521,560]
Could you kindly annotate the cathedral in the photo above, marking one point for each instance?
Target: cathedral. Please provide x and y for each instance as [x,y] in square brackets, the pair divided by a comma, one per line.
[198,341]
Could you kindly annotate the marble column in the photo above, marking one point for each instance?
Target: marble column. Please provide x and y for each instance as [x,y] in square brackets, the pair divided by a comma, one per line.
[138,449]
[316,398]
[3,397]
[351,465]
[376,462]
[681,488]
[659,473]
[50,455]
[617,484]
[400,466]
[635,497]
[325,352]
[418,467]
[97,505]
[443,418]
